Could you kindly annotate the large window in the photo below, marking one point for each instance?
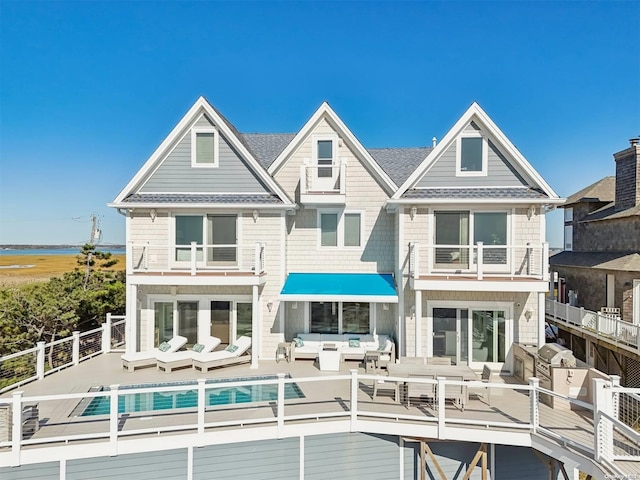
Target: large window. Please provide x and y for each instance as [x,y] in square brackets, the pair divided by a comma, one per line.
[339,317]
[339,229]
[471,155]
[220,242]
[457,232]
[204,147]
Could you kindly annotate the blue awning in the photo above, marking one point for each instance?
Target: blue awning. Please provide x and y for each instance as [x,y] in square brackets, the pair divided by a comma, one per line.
[335,287]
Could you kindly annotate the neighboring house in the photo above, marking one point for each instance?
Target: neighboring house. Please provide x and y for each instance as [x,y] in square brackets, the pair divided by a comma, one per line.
[272,235]
[600,263]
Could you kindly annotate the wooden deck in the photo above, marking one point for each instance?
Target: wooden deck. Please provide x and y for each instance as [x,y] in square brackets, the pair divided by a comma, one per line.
[324,401]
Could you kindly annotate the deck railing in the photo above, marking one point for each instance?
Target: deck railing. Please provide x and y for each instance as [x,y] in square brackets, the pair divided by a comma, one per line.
[608,327]
[46,358]
[323,178]
[119,413]
[480,260]
[195,257]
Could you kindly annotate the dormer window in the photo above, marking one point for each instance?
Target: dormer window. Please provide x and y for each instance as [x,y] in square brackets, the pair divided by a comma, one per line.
[471,155]
[324,154]
[204,147]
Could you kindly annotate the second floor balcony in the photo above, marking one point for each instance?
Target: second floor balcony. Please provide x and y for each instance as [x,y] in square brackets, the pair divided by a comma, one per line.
[236,263]
[518,267]
[323,185]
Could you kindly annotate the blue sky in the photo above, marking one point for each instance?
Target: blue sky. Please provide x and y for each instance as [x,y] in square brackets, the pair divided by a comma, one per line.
[89,89]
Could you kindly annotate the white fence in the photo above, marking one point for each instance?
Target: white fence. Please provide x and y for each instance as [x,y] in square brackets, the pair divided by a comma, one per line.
[610,327]
[46,358]
[120,413]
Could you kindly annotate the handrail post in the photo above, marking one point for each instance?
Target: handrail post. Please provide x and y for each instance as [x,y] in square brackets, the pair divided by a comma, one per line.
[534,411]
[106,334]
[354,400]
[201,405]
[603,429]
[145,257]
[416,260]
[113,419]
[16,431]
[194,257]
[480,260]
[440,393]
[303,178]
[280,408]
[75,350]
[40,360]
[545,261]
[129,258]
[343,177]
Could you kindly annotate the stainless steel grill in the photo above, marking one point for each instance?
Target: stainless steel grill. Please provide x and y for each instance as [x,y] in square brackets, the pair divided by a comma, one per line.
[549,356]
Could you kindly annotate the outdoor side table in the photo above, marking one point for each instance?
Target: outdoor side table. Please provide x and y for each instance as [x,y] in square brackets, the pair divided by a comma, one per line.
[283,352]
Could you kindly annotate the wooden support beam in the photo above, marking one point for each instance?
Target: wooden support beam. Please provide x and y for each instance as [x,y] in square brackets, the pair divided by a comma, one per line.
[481,453]
[562,469]
[425,447]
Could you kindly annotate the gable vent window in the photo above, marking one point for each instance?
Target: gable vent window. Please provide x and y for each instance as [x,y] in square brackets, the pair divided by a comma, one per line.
[204,147]
[471,155]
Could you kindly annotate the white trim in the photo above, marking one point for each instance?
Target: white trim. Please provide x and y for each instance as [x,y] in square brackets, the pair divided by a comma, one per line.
[216,153]
[200,107]
[475,113]
[454,284]
[340,229]
[315,138]
[636,302]
[485,155]
[325,111]
[201,206]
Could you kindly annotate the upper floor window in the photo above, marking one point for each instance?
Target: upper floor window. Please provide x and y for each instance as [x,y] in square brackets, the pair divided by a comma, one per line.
[340,229]
[214,236]
[204,147]
[324,154]
[471,155]
[568,214]
[568,238]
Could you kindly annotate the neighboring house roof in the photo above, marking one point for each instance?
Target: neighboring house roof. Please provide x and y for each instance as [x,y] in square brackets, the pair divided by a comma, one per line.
[195,199]
[267,146]
[476,115]
[621,261]
[483,193]
[399,163]
[601,191]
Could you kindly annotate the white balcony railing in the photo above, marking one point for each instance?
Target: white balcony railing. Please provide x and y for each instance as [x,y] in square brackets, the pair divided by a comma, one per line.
[600,431]
[328,179]
[609,327]
[528,261]
[147,257]
[46,358]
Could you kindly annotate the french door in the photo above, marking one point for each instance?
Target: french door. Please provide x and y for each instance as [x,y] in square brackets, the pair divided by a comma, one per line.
[472,335]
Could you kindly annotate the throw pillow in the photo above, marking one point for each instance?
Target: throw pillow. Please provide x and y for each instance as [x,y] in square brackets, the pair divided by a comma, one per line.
[164,347]
[354,342]
[383,345]
[198,347]
[231,348]
[299,342]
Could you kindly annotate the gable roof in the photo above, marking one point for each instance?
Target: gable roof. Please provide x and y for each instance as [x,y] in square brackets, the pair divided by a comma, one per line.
[201,106]
[601,191]
[476,114]
[326,112]
[621,261]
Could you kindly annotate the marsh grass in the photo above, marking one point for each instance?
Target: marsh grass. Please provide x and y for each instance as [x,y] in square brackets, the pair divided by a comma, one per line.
[17,269]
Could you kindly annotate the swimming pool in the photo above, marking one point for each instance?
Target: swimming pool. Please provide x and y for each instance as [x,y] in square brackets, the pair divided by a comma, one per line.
[188,398]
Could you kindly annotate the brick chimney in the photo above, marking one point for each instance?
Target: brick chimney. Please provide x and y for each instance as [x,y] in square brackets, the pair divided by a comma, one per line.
[628,176]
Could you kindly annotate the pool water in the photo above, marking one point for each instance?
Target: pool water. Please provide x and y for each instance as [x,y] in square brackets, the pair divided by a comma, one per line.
[219,395]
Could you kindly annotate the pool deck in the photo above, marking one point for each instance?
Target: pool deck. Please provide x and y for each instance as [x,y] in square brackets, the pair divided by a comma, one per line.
[331,397]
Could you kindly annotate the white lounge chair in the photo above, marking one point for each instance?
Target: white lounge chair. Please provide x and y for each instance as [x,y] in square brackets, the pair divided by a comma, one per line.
[131,361]
[167,361]
[233,354]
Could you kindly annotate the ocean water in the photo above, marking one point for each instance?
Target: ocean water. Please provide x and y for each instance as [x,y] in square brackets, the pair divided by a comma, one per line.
[55,251]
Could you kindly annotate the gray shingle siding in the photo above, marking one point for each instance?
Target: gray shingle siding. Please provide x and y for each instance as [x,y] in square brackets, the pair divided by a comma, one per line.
[474,193]
[184,198]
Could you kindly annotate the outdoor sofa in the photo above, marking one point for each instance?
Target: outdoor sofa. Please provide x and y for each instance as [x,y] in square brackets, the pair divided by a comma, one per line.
[353,346]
